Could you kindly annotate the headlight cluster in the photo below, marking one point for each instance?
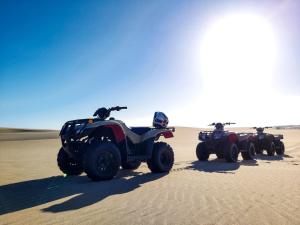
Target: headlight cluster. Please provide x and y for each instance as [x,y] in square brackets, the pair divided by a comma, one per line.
[202,136]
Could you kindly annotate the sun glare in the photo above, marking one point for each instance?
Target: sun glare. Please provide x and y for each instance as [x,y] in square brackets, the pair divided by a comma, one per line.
[238,53]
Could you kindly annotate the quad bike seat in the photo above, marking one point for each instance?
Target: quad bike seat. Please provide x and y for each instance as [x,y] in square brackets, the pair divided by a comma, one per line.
[140,130]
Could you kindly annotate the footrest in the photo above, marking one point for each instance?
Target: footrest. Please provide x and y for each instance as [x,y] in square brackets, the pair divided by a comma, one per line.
[137,157]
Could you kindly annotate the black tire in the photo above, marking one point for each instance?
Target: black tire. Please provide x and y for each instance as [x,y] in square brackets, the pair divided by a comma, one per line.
[280,149]
[162,158]
[250,153]
[231,152]
[258,149]
[102,161]
[131,165]
[271,149]
[202,152]
[68,165]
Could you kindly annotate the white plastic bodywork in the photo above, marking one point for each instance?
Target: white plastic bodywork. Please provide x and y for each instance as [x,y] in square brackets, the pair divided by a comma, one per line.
[135,138]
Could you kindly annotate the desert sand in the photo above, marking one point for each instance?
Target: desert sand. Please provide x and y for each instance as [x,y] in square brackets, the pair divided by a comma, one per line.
[263,191]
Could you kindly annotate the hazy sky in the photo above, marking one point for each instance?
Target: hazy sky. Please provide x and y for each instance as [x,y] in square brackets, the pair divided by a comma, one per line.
[61,60]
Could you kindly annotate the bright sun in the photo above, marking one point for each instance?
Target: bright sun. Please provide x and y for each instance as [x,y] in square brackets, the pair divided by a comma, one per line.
[238,53]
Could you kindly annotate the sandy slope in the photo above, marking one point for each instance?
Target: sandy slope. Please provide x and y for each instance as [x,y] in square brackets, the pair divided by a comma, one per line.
[266,191]
[11,134]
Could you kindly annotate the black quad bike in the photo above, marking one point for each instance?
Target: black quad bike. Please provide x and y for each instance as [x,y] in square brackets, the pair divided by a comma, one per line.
[99,147]
[270,142]
[225,144]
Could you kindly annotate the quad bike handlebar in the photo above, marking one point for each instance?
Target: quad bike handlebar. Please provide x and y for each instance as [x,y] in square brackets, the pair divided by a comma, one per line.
[227,123]
[260,128]
[103,113]
[117,108]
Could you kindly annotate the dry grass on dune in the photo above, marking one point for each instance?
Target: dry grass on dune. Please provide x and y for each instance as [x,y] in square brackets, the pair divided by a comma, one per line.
[263,191]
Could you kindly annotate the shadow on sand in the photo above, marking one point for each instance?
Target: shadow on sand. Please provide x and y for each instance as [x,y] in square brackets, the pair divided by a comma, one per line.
[219,166]
[272,158]
[27,194]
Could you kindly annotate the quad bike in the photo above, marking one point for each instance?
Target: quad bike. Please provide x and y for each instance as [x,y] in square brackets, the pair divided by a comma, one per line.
[99,147]
[270,142]
[225,144]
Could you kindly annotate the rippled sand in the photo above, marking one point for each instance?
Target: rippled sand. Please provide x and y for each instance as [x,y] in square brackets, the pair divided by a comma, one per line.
[33,190]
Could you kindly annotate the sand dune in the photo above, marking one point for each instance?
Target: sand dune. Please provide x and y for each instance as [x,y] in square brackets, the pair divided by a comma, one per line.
[13,134]
[264,191]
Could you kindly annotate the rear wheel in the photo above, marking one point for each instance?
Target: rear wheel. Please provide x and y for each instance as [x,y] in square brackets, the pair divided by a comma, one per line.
[231,152]
[162,158]
[102,161]
[271,149]
[202,152]
[280,148]
[250,152]
[258,149]
[68,165]
[131,165]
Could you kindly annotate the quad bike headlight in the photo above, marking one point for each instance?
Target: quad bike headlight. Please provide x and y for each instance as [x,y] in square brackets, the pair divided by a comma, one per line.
[202,136]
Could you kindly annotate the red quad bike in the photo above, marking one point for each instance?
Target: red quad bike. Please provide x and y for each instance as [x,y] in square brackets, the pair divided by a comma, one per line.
[270,142]
[99,147]
[225,144]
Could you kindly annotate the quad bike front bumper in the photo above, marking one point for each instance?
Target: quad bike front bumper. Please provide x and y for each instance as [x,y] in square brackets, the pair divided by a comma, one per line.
[72,136]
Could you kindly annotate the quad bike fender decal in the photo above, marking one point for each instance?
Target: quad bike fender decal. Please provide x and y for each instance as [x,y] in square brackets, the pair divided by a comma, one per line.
[115,125]
[167,134]
[232,137]
[118,132]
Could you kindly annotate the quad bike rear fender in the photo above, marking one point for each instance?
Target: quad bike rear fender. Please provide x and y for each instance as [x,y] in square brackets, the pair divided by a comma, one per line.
[232,137]
[278,136]
[110,128]
[156,133]
[244,139]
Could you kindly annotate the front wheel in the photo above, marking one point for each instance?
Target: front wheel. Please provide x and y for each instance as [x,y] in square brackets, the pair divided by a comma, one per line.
[231,152]
[250,152]
[68,165]
[102,161]
[162,158]
[258,149]
[280,148]
[202,152]
[271,149]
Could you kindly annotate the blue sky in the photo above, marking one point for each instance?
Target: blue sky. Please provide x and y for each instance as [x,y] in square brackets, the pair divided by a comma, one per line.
[61,60]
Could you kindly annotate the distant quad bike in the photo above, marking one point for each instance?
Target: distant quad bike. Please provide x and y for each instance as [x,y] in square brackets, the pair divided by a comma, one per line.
[99,147]
[270,142]
[225,144]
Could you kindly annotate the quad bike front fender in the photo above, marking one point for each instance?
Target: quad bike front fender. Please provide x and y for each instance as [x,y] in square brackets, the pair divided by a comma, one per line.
[116,130]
